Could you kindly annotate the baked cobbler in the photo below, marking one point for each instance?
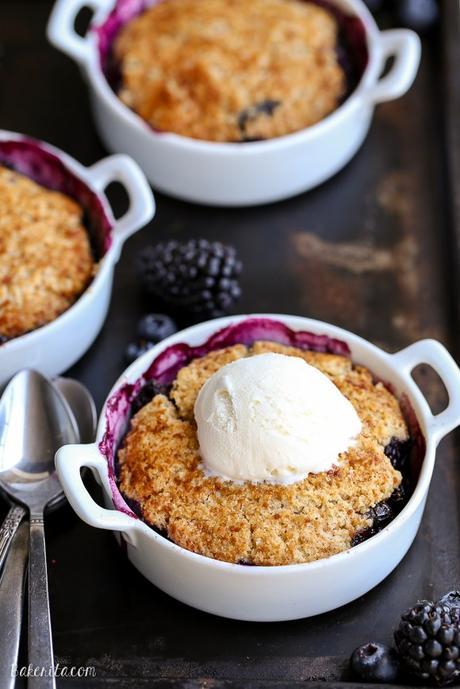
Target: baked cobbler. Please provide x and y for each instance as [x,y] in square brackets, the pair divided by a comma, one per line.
[232,70]
[161,473]
[46,260]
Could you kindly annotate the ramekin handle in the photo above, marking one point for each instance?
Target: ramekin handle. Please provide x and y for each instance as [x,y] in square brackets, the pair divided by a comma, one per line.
[435,355]
[70,460]
[61,27]
[404,45]
[121,168]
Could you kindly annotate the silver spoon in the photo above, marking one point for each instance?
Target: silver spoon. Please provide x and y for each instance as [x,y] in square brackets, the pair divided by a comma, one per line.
[34,423]
[84,410]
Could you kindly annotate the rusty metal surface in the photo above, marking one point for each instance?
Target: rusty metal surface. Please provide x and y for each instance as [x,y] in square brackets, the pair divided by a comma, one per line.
[373,250]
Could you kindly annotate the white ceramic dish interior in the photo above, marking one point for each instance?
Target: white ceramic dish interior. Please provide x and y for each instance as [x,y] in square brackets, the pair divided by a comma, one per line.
[264,593]
[54,347]
[233,173]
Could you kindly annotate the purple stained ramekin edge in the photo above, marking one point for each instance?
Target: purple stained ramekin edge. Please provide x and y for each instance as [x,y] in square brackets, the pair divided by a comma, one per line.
[33,159]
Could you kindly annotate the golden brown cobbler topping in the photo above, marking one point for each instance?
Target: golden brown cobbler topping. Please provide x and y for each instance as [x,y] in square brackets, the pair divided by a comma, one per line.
[259,523]
[230,70]
[45,254]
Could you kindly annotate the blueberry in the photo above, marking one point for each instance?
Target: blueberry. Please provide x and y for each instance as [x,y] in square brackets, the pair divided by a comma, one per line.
[375,662]
[419,15]
[155,327]
[135,349]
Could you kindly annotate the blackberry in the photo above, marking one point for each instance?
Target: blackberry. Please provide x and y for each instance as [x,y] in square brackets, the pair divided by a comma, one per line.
[147,393]
[364,535]
[399,497]
[195,278]
[398,452]
[375,662]
[383,513]
[428,642]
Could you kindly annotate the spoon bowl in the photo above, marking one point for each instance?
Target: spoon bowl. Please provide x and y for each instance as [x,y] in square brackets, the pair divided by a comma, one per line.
[81,405]
[34,423]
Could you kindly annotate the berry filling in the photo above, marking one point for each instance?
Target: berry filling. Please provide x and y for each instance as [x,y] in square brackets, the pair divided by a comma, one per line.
[383,513]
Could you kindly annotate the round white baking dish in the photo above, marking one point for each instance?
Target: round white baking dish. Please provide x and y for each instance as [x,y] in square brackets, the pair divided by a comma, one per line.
[54,347]
[239,174]
[284,592]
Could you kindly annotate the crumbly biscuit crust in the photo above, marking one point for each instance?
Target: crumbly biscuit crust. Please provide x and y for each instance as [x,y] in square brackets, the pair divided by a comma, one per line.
[45,254]
[261,524]
[231,70]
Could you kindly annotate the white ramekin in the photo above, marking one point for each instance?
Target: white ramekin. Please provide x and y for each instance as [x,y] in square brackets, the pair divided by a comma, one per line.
[54,347]
[240,173]
[283,592]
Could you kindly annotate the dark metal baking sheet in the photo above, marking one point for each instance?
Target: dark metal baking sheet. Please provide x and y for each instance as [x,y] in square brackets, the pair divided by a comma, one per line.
[374,250]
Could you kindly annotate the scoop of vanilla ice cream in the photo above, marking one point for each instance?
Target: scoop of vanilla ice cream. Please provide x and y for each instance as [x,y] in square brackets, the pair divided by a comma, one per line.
[272,417]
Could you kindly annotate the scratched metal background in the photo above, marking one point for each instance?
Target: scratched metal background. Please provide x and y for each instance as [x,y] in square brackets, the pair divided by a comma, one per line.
[374,250]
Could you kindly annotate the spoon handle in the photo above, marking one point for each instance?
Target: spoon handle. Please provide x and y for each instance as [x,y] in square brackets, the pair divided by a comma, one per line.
[11,603]
[40,639]
[9,527]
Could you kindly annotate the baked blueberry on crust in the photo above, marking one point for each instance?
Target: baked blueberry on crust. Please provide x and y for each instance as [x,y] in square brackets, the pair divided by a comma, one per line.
[46,260]
[160,470]
[231,70]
